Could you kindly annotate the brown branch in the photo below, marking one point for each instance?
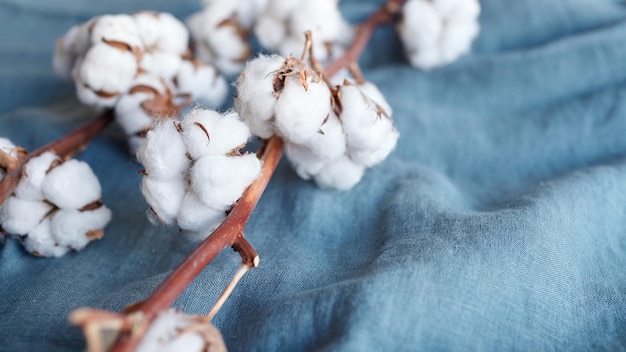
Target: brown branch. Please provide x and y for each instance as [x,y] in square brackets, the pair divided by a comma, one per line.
[385,14]
[65,147]
[229,233]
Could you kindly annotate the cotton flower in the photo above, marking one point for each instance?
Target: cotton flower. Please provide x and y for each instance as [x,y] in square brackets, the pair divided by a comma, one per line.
[7,147]
[202,82]
[370,133]
[194,170]
[220,33]
[282,23]
[140,66]
[331,134]
[174,331]
[55,207]
[437,32]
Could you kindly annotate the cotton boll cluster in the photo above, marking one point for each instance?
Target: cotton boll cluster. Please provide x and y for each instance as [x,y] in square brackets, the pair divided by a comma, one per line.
[282,23]
[55,207]
[174,331]
[332,135]
[140,65]
[437,32]
[194,171]
[220,32]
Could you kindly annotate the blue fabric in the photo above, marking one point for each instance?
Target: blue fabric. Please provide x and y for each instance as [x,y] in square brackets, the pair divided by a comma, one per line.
[499,223]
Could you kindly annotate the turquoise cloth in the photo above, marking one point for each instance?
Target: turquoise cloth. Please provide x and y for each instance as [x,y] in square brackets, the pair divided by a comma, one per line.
[498,223]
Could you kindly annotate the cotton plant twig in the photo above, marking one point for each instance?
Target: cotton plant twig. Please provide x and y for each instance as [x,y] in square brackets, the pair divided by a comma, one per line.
[385,14]
[64,147]
[229,233]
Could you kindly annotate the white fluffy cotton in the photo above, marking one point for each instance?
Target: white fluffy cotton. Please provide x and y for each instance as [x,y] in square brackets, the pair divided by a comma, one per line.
[341,174]
[370,133]
[164,196]
[41,243]
[19,216]
[202,82]
[207,132]
[300,111]
[30,185]
[9,148]
[438,32]
[140,65]
[210,174]
[220,180]
[71,227]
[168,334]
[220,39]
[163,154]
[281,26]
[55,207]
[256,98]
[71,185]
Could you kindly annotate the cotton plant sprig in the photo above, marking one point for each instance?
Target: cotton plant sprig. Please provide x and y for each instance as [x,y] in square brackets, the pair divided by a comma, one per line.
[130,328]
[39,201]
[140,66]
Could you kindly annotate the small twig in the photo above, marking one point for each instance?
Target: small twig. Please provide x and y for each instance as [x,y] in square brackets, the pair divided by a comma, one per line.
[383,15]
[243,269]
[229,233]
[64,147]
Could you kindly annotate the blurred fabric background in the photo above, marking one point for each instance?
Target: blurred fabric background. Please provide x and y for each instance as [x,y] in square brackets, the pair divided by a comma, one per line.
[498,223]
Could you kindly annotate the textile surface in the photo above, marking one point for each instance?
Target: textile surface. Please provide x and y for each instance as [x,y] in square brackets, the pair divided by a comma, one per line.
[498,223]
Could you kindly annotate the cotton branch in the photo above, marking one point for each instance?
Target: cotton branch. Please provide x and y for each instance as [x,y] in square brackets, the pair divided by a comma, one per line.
[385,14]
[64,147]
[229,233]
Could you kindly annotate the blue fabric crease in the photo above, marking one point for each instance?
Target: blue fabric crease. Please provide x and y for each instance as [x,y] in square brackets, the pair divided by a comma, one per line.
[498,223]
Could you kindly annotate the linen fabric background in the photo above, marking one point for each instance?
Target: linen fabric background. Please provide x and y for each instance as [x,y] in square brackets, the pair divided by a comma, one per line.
[498,223]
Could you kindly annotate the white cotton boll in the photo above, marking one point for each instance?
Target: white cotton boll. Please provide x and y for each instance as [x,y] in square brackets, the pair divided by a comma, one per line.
[321,17]
[74,43]
[330,142]
[341,174]
[33,176]
[371,90]
[457,39]
[40,241]
[108,69]
[117,28]
[208,132]
[89,97]
[19,216]
[148,27]
[270,32]
[71,185]
[301,112]
[130,115]
[174,35]
[202,82]
[71,228]
[164,196]
[281,9]
[305,163]
[163,154]
[421,25]
[162,64]
[195,216]
[255,98]
[370,135]
[219,181]
[166,334]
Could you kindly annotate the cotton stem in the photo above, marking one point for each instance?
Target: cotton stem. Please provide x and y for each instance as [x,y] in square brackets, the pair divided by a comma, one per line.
[229,233]
[385,14]
[64,147]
